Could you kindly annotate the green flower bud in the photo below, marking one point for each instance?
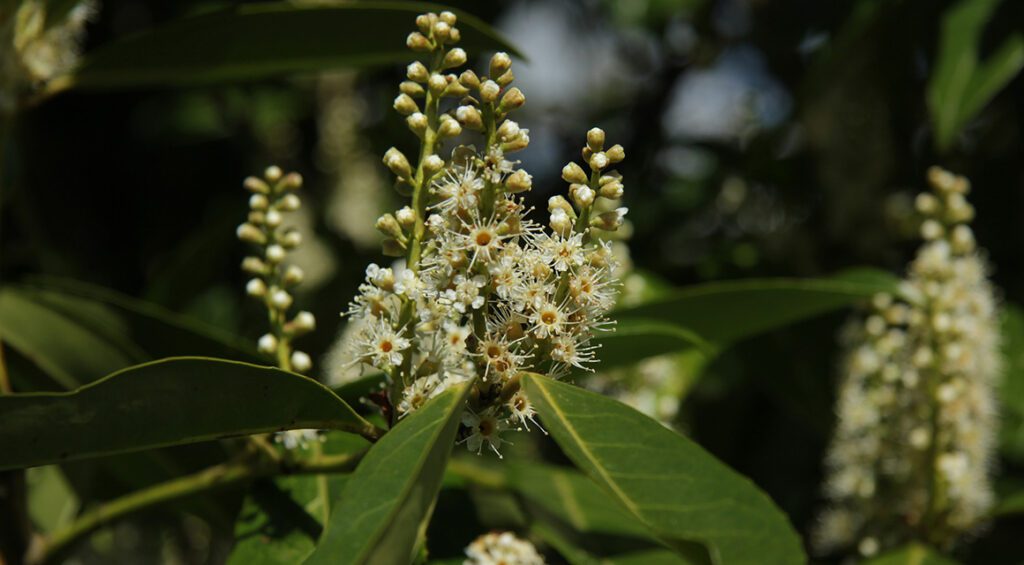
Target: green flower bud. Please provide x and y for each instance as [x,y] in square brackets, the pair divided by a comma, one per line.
[411,89]
[573,173]
[500,63]
[449,127]
[595,139]
[256,185]
[454,58]
[417,123]
[470,117]
[397,163]
[251,234]
[405,105]
[615,154]
[448,18]
[273,173]
[417,72]
[418,42]
[469,79]
[436,84]
[511,100]
[489,91]
[519,181]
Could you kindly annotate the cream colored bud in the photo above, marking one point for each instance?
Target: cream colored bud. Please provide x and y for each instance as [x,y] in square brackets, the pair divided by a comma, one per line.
[293,275]
[418,42]
[505,79]
[595,139]
[489,91]
[406,217]
[560,222]
[256,217]
[448,18]
[254,265]
[436,84]
[258,202]
[573,173]
[397,163]
[275,253]
[257,185]
[405,105]
[470,117]
[432,164]
[449,127]
[500,63]
[417,123]
[289,203]
[442,30]
[518,143]
[958,209]
[615,153]
[560,203]
[304,321]
[392,248]
[291,181]
[612,190]
[251,234]
[582,195]
[256,287]
[926,203]
[508,130]
[610,221]
[417,72]
[931,230]
[301,362]
[941,179]
[454,36]
[455,88]
[454,58]
[512,99]
[410,88]
[280,299]
[273,173]
[598,161]
[425,22]
[267,344]
[291,239]
[274,218]
[469,79]
[388,225]
[962,240]
[519,181]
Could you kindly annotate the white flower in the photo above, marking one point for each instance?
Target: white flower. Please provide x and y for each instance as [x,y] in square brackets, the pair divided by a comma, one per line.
[521,410]
[417,394]
[383,346]
[485,428]
[502,548]
[563,253]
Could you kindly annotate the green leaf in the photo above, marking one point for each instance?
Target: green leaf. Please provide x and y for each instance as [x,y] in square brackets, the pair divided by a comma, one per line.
[1011,387]
[911,554]
[959,88]
[717,314]
[635,339]
[679,491]
[168,402]
[256,41]
[1010,505]
[392,492]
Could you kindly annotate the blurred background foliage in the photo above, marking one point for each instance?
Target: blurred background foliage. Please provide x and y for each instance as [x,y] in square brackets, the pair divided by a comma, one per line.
[765,139]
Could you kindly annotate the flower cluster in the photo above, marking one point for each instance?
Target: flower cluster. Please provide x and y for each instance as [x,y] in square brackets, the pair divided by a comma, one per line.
[39,41]
[272,197]
[502,548]
[484,292]
[912,450]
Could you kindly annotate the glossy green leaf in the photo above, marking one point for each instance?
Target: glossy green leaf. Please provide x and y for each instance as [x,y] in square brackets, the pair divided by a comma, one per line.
[682,493]
[636,339]
[960,85]
[168,402]
[1011,387]
[255,41]
[389,496]
[911,554]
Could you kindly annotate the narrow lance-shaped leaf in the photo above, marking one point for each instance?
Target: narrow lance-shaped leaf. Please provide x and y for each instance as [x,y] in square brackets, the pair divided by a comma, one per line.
[389,496]
[255,41]
[168,402]
[683,494]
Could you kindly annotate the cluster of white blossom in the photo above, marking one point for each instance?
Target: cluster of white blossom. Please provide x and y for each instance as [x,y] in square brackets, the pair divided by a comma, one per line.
[502,548]
[38,41]
[484,293]
[912,450]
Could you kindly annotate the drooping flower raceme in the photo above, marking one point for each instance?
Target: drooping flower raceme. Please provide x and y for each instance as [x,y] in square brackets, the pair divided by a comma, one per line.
[912,449]
[502,548]
[484,292]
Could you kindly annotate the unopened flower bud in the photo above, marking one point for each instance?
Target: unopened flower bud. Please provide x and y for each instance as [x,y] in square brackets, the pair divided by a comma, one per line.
[289,203]
[258,202]
[560,222]
[512,99]
[500,63]
[417,123]
[274,218]
[304,322]
[449,127]
[442,30]
[518,143]
[508,130]
[397,163]
[275,253]
[256,287]
[432,164]
[615,153]
[254,265]
[519,181]
[392,248]
[489,91]
[454,36]
[931,230]
[598,161]
[611,190]
[610,221]
[280,299]
[962,240]
[454,58]
[273,173]
[425,22]
[469,79]
[293,275]
[595,139]
[573,173]
[388,225]
[405,105]
[417,72]
[251,234]
[418,42]
[291,181]
[301,362]
[454,88]
[560,203]
[257,185]
[448,17]
[505,79]
[290,239]
[941,179]
[469,117]
[436,84]
[582,195]
[267,344]
[926,203]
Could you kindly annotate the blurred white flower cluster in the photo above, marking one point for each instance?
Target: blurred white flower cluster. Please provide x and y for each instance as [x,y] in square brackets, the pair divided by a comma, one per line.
[912,451]
[484,292]
[502,548]
[38,41]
